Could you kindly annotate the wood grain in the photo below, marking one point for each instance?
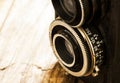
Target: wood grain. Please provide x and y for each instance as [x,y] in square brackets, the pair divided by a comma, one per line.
[25,53]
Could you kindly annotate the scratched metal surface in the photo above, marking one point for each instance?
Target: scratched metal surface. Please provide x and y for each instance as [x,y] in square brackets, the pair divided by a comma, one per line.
[25,53]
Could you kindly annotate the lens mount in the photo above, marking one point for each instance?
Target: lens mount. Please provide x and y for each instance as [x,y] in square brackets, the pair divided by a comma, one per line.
[80,51]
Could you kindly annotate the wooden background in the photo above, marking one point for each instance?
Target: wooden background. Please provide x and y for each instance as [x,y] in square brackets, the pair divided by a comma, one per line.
[25,53]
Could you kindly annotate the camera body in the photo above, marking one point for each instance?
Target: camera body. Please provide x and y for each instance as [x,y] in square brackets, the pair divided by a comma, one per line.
[87,44]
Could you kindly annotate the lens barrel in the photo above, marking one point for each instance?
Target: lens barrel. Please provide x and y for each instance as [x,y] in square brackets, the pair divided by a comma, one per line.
[80,51]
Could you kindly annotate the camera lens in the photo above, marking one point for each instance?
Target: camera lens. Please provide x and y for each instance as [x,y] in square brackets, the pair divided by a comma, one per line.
[80,12]
[80,51]
[73,12]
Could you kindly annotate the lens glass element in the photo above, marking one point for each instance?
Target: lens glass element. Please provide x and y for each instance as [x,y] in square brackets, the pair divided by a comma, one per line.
[69,48]
[69,5]
[64,49]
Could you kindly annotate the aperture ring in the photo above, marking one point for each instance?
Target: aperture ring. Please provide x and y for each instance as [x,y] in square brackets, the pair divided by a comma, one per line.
[98,44]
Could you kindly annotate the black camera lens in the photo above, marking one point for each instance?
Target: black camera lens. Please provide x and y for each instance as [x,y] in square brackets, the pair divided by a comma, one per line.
[80,51]
[79,12]
[73,12]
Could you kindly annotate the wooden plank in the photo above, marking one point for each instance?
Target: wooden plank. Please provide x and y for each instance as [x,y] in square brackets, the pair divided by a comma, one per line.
[5,8]
[25,53]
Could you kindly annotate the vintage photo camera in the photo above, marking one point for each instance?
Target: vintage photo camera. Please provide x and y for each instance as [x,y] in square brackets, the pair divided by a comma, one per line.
[80,36]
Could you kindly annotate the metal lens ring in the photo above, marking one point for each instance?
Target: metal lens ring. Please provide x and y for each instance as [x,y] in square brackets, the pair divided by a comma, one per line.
[80,51]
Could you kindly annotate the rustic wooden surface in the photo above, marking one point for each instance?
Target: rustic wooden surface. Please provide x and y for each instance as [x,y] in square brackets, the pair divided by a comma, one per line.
[25,52]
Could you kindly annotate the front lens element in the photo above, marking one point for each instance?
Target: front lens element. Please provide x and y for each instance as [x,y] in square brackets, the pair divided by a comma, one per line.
[69,5]
[64,49]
